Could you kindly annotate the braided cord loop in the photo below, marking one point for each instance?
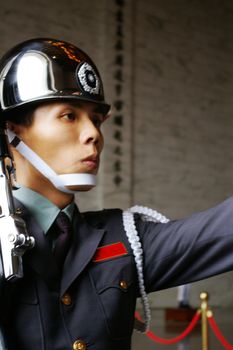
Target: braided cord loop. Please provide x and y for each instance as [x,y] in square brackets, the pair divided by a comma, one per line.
[147,214]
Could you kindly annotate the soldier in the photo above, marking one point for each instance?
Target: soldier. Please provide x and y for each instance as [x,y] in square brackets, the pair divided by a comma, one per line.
[83,276]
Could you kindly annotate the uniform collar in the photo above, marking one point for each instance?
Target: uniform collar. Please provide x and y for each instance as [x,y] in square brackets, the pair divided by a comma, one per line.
[85,242]
[44,211]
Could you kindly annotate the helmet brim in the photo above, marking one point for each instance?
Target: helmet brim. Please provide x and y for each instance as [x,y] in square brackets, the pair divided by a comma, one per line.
[103,107]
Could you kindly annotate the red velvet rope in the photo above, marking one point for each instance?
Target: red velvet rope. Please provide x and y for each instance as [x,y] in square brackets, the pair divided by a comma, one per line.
[184,334]
[218,333]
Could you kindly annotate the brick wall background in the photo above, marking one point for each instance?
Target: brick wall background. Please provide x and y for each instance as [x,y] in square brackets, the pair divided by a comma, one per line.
[173,151]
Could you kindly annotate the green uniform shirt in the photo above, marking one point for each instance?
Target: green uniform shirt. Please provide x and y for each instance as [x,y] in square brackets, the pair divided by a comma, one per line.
[44,211]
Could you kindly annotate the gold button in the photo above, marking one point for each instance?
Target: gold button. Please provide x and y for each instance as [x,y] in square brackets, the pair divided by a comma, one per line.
[79,345]
[123,284]
[66,299]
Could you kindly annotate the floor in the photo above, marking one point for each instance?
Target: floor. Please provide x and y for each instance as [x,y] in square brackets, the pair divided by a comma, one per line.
[170,329]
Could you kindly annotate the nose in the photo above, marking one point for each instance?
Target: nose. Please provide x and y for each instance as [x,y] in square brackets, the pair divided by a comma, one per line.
[89,133]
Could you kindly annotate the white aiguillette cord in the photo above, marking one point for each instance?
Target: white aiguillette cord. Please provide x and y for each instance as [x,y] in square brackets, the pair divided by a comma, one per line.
[59,181]
[147,214]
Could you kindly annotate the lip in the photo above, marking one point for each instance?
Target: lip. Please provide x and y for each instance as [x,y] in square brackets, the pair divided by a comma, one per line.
[91,162]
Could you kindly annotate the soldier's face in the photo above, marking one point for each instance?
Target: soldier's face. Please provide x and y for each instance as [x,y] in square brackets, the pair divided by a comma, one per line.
[66,136]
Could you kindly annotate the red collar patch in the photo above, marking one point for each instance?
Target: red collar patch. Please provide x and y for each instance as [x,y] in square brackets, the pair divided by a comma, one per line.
[109,251]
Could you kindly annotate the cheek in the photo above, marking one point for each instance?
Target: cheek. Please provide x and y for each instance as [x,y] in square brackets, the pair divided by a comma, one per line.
[60,156]
[57,148]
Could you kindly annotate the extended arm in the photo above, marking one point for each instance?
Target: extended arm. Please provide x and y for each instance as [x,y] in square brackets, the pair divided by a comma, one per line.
[188,250]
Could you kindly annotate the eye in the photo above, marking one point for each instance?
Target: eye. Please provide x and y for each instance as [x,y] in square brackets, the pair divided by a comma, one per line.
[69,116]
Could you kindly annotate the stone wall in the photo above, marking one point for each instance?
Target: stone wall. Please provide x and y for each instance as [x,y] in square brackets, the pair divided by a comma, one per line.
[170,146]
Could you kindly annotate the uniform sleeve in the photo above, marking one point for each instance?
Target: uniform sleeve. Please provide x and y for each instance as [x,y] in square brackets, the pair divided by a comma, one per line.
[189,249]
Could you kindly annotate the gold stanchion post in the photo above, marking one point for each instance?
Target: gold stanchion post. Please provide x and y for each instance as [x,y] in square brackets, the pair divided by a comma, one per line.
[204,322]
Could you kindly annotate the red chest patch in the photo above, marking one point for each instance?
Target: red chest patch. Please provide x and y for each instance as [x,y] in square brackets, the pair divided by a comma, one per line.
[110,251]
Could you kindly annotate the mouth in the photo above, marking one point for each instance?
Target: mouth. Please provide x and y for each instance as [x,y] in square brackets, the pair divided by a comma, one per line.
[91,162]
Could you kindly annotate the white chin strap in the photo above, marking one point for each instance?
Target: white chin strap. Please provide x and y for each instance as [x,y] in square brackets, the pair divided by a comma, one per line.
[59,181]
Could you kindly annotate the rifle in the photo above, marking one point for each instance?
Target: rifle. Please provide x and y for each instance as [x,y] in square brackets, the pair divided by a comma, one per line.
[14,239]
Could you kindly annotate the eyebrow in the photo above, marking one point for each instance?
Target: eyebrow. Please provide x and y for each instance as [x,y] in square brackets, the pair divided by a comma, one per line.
[96,108]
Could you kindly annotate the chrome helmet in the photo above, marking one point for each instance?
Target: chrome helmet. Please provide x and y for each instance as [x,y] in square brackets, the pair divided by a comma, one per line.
[46,69]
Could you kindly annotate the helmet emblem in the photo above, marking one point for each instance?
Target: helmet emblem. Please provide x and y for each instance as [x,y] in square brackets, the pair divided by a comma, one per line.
[88,78]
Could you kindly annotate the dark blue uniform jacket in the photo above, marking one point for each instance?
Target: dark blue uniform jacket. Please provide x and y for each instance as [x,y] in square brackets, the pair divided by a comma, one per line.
[86,303]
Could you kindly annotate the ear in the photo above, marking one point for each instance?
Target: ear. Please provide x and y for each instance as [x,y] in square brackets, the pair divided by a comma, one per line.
[16,128]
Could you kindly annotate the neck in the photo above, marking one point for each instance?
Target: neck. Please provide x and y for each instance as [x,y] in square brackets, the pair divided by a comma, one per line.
[29,177]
